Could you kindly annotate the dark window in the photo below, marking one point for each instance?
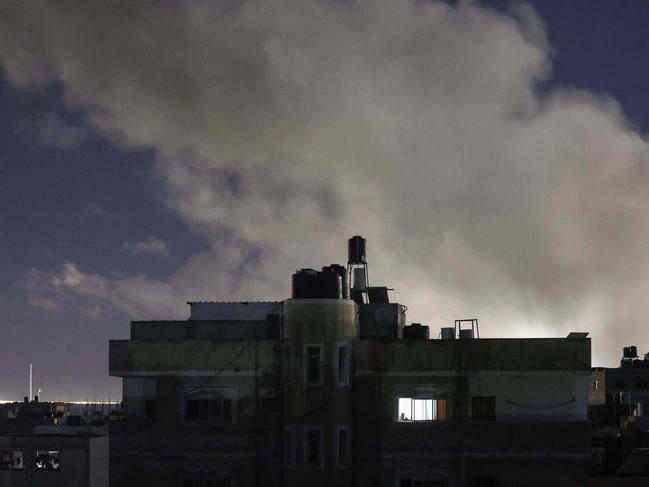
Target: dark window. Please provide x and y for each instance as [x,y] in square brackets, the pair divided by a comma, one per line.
[287,365]
[289,447]
[313,364]
[422,483]
[484,482]
[189,482]
[11,460]
[48,460]
[483,408]
[209,409]
[343,365]
[343,447]
[150,409]
[313,447]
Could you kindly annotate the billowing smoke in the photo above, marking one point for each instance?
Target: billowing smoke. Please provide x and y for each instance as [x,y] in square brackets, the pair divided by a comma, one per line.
[283,127]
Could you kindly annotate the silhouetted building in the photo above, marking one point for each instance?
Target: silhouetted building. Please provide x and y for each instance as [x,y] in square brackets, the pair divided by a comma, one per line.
[323,390]
[618,401]
[39,447]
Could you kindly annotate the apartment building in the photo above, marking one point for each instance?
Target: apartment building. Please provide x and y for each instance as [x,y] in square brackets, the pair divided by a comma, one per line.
[330,387]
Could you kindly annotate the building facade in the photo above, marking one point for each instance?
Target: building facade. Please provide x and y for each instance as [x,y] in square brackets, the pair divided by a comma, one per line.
[618,400]
[321,391]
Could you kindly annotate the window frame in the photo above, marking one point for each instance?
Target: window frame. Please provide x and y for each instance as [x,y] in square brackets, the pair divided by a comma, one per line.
[320,380]
[210,394]
[12,452]
[348,463]
[305,444]
[347,371]
[37,455]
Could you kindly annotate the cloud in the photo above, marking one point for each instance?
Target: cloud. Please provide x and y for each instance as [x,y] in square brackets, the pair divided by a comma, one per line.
[217,274]
[151,246]
[282,127]
[50,130]
[93,209]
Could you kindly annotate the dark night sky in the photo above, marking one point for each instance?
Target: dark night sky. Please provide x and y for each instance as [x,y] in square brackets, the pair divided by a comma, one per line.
[73,192]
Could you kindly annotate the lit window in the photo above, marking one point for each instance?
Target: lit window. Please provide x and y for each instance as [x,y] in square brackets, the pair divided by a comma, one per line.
[343,447]
[11,460]
[313,447]
[313,364]
[48,460]
[343,365]
[483,408]
[216,409]
[415,409]
[289,447]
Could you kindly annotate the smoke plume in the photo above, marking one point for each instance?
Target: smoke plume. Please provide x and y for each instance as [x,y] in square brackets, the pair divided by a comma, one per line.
[282,127]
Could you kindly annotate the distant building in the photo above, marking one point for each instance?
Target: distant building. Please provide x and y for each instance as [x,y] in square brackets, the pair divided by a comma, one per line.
[618,401]
[330,388]
[40,448]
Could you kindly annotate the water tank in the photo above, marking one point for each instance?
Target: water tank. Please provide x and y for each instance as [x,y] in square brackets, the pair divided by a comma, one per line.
[416,331]
[630,352]
[356,250]
[342,272]
[305,284]
[448,333]
[329,284]
[466,334]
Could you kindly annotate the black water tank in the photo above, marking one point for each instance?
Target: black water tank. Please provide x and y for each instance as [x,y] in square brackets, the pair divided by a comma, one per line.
[630,352]
[342,272]
[356,250]
[330,284]
[416,331]
[305,284]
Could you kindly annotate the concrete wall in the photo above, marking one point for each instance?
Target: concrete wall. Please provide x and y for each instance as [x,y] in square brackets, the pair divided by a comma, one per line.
[527,354]
[128,357]
[246,311]
[542,396]
[98,462]
[205,330]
